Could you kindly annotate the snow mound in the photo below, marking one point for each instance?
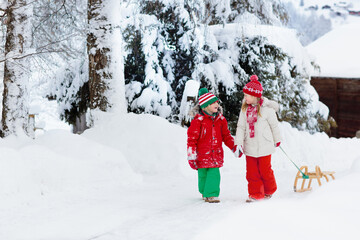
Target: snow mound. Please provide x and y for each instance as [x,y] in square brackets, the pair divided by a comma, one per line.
[60,161]
[303,148]
[150,144]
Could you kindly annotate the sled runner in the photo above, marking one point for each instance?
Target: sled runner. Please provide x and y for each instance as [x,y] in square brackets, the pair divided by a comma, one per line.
[312,175]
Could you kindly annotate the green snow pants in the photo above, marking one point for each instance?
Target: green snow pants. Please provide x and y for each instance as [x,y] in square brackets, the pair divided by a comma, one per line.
[209,181]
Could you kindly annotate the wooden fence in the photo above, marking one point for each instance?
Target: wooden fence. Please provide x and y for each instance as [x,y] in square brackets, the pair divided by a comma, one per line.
[342,96]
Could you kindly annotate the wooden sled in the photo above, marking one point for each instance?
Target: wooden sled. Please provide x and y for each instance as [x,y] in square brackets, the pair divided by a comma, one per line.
[312,175]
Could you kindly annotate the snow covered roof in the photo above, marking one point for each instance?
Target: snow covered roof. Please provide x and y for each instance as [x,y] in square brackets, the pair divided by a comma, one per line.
[338,52]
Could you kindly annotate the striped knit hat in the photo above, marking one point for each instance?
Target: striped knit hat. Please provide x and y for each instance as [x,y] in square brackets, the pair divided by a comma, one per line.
[254,87]
[206,98]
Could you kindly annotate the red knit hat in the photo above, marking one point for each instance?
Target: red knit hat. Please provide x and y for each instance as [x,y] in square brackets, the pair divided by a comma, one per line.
[254,87]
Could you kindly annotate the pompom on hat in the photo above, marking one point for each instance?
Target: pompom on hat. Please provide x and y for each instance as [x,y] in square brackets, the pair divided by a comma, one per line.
[206,98]
[254,87]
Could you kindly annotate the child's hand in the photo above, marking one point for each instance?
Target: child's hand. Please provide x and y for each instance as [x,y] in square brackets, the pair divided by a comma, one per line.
[237,151]
[192,164]
[191,157]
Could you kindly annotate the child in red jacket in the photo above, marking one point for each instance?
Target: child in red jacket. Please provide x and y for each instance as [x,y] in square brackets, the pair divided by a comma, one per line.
[207,131]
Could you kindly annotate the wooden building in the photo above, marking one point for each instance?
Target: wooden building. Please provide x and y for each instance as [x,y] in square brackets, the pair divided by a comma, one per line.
[342,96]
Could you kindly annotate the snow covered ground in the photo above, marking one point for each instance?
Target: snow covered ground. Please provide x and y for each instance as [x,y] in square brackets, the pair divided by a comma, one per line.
[128,178]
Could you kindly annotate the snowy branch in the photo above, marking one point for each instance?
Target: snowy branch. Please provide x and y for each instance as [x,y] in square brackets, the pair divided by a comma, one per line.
[29,55]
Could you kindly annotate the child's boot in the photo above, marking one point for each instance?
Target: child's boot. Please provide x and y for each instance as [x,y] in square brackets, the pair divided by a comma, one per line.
[212,200]
[267,196]
[250,199]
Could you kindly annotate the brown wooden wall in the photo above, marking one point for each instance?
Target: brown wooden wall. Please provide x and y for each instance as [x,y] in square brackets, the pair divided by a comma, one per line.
[342,96]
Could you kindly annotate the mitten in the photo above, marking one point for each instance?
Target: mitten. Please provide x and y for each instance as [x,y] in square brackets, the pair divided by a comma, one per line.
[237,151]
[192,160]
[192,164]
[277,144]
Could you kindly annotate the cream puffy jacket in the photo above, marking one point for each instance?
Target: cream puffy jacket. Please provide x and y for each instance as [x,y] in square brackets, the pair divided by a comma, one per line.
[267,132]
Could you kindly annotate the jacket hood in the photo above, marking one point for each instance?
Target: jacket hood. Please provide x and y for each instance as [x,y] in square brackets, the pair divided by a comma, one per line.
[270,103]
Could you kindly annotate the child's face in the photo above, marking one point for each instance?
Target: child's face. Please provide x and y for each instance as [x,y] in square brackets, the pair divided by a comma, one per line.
[250,99]
[212,108]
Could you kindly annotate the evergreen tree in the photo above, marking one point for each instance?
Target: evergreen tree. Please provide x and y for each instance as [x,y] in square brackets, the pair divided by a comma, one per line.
[178,58]
[268,12]
[155,81]
[216,12]
[134,66]
[283,84]
[72,94]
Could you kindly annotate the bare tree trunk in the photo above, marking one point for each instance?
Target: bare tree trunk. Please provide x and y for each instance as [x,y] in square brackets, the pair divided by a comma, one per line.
[99,56]
[15,95]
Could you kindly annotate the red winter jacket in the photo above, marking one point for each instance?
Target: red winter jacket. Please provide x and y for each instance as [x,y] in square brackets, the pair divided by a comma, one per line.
[205,137]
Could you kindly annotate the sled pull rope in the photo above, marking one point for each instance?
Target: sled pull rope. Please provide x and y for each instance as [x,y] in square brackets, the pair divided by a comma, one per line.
[304,176]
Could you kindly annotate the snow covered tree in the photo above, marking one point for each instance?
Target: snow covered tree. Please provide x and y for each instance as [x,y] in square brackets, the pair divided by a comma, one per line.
[160,39]
[148,92]
[179,56]
[97,82]
[59,36]
[134,65]
[16,77]
[268,62]
[216,12]
[281,79]
[99,59]
[265,12]
[106,76]
[59,32]
[72,94]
